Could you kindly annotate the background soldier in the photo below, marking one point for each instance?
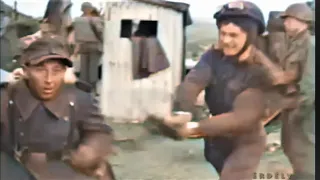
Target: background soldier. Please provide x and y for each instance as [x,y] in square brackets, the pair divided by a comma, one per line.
[8,40]
[294,55]
[297,147]
[45,120]
[89,36]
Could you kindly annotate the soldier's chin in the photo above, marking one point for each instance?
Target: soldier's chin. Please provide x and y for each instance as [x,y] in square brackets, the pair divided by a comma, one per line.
[46,96]
[230,52]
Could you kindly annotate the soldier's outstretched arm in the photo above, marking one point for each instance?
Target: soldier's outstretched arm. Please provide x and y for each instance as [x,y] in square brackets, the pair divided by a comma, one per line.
[288,74]
[195,81]
[247,113]
[93,128]
[296,62]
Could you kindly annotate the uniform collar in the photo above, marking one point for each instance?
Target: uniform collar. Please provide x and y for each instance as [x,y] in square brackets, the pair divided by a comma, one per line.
[27,103]
[300,38]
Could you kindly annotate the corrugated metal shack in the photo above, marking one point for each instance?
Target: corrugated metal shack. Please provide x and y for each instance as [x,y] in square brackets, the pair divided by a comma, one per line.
[122,97]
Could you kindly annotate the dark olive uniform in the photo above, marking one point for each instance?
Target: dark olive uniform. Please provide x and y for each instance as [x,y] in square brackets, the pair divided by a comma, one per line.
[292,132]
[297,54]
[41,133]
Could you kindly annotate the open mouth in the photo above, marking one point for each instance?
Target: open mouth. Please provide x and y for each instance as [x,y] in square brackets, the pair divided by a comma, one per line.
[48,91]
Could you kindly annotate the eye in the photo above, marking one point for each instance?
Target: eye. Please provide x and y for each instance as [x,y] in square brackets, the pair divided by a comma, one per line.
[58,70]
[233,35]
[222,33]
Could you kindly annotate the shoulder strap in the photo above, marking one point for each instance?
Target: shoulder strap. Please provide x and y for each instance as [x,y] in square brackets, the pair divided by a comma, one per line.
[95,31]
[72,111]
[11,111]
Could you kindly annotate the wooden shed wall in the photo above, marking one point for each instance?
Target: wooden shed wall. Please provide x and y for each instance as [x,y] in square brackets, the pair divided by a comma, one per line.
[121,96]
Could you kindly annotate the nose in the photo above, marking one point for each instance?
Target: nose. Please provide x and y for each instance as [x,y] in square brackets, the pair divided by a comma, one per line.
[226,39]
[49,78]
[286,22]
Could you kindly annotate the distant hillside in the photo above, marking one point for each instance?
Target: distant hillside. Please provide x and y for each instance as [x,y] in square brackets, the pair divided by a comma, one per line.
[201,33]
[24,24]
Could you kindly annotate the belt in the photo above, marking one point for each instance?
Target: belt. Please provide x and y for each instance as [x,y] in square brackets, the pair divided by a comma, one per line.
[26,155]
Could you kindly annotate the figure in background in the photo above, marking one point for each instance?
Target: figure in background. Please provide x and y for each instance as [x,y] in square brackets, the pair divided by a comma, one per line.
[89,43]
[8,40]
[292,51]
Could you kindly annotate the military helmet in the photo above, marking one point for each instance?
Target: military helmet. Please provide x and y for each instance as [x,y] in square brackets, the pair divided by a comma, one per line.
[242,9]
[86,5]
[299,11]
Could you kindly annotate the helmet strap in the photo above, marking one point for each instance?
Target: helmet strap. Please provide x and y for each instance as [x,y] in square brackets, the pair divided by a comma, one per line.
[244,48]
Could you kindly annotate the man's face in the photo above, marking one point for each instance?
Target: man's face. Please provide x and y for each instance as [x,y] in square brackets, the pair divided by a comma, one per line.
[293,26]
[231,38]
[87,11]
[46,79]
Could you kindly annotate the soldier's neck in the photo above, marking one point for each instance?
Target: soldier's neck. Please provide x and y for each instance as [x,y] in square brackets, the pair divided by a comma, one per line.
[298,34]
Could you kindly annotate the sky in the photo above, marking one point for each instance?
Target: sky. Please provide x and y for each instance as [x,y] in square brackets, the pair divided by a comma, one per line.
[203,9]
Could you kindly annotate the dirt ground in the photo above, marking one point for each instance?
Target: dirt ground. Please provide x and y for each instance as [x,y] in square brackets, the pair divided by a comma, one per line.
[152,157]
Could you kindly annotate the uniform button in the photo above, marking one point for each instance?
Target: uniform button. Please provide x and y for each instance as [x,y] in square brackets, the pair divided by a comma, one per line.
[21,134]
[20,119]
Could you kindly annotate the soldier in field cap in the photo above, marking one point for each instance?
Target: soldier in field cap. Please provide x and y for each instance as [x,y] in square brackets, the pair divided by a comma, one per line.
[52,128]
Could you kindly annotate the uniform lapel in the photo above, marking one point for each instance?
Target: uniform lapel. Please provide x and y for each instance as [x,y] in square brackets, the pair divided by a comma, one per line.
[25,101]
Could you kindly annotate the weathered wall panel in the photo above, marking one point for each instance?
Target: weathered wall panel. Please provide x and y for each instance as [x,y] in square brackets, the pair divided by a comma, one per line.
[122,97]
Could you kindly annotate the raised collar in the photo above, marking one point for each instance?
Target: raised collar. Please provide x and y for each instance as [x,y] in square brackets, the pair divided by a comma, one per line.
[300,38]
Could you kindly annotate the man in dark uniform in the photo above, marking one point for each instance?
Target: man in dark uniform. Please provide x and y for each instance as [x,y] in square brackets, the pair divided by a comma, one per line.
[234,84]
[294,55]
[44,121]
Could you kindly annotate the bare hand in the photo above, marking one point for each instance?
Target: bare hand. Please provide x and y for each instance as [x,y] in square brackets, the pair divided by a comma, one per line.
[70,77]
[85,157]
[18,73]
[179,119]
[188,129]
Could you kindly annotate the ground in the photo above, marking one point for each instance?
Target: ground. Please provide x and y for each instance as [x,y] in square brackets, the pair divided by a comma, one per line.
[156,158]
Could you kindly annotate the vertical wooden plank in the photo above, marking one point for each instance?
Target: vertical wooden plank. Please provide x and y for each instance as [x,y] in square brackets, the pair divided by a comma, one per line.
[110,65]
[178,34]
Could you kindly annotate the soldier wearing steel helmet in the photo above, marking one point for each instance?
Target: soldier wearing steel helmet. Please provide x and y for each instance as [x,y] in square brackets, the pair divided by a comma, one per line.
[234,82]
[294,54]
[297,63]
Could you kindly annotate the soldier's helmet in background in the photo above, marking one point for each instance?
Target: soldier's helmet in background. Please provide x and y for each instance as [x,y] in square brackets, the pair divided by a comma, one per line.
[300,11]
[86,5]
